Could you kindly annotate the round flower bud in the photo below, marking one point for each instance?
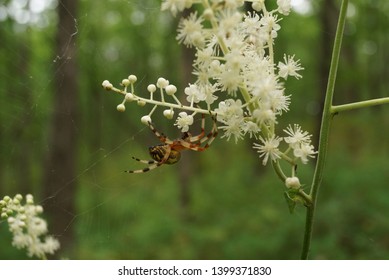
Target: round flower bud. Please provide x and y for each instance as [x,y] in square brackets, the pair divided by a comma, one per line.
[30,199]
[151,88]
[6,198]
[141,103]
[146,120]
[39,209]
[162,83]
[208,13]
[121,108]
[169,113]
[292,183]
[4,215]
[258,6]
[132,79]
[107,85]
[126,82]
[129,97]
[171,89]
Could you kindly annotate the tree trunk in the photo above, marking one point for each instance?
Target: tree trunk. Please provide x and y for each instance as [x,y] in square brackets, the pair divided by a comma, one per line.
[60,177]
[328,19]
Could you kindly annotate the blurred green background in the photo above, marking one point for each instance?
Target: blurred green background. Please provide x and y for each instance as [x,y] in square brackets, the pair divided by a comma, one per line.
[62,139]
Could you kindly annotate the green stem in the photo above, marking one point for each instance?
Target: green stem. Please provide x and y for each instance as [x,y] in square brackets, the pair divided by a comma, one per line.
[278,170]
[361,104]
[324,131]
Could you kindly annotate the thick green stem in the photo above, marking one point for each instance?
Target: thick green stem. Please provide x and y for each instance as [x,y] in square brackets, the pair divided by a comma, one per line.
[324,131]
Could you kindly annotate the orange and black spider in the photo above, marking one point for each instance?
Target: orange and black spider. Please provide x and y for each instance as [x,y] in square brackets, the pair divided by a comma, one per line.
[169,152]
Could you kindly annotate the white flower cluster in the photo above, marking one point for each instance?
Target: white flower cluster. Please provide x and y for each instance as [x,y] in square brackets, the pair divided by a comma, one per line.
[28,229]
[237,77]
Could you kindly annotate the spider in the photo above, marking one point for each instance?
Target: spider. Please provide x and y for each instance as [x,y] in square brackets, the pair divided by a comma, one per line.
[169,151]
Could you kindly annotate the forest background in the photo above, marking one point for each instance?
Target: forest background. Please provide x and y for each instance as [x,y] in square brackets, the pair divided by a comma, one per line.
[63,141]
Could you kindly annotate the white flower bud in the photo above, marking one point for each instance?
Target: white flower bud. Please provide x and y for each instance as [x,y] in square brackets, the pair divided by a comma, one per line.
[208,13]
[258,6]
[151,88]
[30,199]
[129,97]
[146,120]
[292,183]
[162,83]
[171,89]
[132,79]
[169,113]
[39,209]
[107,85]
[141,103]
[121,108]
[126,82]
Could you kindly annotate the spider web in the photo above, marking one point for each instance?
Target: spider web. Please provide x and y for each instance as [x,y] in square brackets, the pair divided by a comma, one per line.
[90,216]
[113,207]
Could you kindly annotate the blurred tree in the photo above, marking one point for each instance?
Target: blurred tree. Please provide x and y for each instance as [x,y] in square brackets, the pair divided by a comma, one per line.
[328,16]
[60,169]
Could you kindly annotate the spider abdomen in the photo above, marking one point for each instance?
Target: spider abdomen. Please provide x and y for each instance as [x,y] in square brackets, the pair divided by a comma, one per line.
[158,153]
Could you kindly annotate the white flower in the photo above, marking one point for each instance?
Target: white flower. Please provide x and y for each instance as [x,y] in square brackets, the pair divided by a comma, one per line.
[264,116]
[303,152]
[51,245]
[184,121]
[190,31]
[251,128]
[296,136]
[270,24]
[28,228]
[194,95]
[229,108]
[284,6]
[233,127]
[289,68]
[278,101]
[229,79]
[176,5]
[268,148]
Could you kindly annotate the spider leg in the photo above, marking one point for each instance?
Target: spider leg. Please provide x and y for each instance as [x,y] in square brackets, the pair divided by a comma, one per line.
[160,136]
[194,143]
[145,161]
[212,135]
[152,163]
[150,167]
[198,137]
